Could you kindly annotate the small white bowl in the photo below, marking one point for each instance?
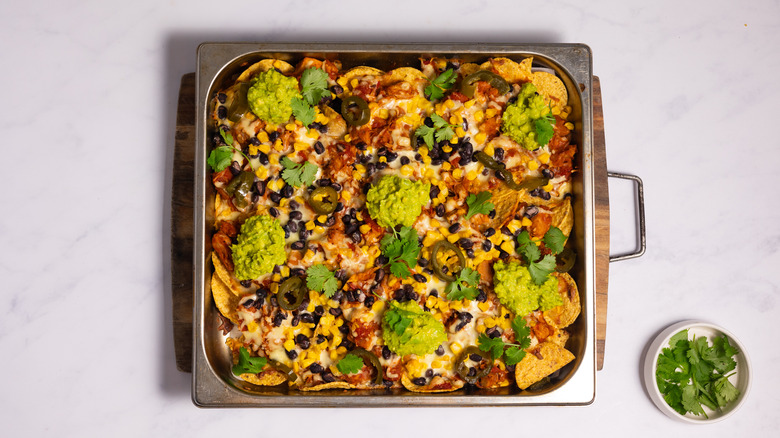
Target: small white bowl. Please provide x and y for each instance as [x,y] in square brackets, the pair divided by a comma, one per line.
[699,328]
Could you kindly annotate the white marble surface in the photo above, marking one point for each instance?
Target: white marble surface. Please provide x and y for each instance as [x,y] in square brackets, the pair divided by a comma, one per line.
[690,102]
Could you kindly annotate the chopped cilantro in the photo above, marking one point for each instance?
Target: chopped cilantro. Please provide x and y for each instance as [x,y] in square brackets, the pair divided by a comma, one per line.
[298,175]
[438,85]
[539,269]
[513,353]
[457,291]
[248,364]
[321,279]
[402,249]
[478,204]
[303,111]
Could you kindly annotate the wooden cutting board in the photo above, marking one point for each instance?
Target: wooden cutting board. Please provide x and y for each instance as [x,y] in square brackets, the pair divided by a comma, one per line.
[182,223]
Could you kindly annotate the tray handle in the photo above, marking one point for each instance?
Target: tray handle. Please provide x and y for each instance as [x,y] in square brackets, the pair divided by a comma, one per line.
[641,202]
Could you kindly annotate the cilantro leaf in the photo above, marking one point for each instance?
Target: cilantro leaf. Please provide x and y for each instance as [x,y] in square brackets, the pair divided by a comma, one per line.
[445,81]
[402,249]
[514,355]
[690,401]
[544,131]
[478,203]
[522,332]
[350,364]
[321,279]
[457,291]
[226,136]
[440,131]
[494,346]
[220,158]
[248,364]
[397,320]
[303,111]
[314,86]
[725,391]
[554,239]
[541,269]
[298,175]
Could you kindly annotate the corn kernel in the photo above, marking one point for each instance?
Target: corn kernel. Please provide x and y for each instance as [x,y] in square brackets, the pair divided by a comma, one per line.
[460,132]
[347,137]
[273,159]
[310,225]
[383,113]
[569,125]
[252,326]
[457,173]
[471,175]
[479,116]
[454,140]
[269,128]
[453,238]
[533,165]
[548,187]
[278,146]
[264,148]
[289,344]
[544,158]
[313,133]
[480,137]
[526,222]
[483,306]
[406,170]
[262,172]
[446,165]
[365,228]
[319,230]
[291,127]
[456,348]
[489,150]
[508,247]
[346,195]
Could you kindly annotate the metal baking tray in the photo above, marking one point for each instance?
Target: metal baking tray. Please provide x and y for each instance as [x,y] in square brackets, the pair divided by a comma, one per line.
[213,384]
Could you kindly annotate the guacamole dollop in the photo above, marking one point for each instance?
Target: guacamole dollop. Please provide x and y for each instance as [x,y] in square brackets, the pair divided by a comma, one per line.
[408,329]
[270,94]
[396,201]
[520,119]
[260,247]
[517,291]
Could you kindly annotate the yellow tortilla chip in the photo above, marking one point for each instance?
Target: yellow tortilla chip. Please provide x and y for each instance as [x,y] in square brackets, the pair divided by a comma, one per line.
[505,201]
[563,217]
[331,385]
[265,65]
[405,74]
[532,369]
[468,68]
[337,127]
[407,383]
[266,378]
[225,299]
[510,70]
[551,87]
[223,274]
[358,72]
[560,337]
[565,314]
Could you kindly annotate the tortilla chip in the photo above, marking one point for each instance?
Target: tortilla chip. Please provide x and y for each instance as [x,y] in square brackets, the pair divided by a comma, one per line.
[331,385]
[468,68]
[560,337]
[405,74]
[266,378]
[225,299]
[563,217]
[265,65]
[532,369]
[510,70]
[551,87]
[505,201]
[346,79]
[224,275]
[407,383]
[565,314]
[337,127]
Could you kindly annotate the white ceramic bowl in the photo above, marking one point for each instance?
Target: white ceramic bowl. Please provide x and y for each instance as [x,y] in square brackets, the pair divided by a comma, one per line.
[699,328]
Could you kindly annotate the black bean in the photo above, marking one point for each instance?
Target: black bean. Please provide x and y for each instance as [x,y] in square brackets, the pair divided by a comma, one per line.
[346,343]
[400,296]
[308,318]
[481,296]
[297,272]
[386,353]
[454,228]
[498,154]
[335,311]
[316,368]
[303,341]
[437,162]
[221,112]
[472,372]
[293,226]
[327,377]
[470,253]
[506,231]
[405,160]
[419,278]
[336,186]
[260,187]
[222,97]
[339,207]
[465,243]
[235,168]
[434,191]
[429,373]
[286,191]
[487,245]
[440,211]
[319,148]
[493,332]
[246,283]
[356,237]
[489,232]
[292,354]
[380,274]
[303,233]
[420,381]
[296,215]
[320,339]
[391,156]
[475,357]
[492,214]
[381,260]
[381,166]
[434,293]
[336,89]
[440,350]
[369,301]
[275,197]
[547,173]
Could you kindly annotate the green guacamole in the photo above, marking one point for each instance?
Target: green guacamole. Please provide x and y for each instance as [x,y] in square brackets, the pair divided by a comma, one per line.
[397,201]
[270,95]
[408,329]
[517,291]
[519,119]
[260,247]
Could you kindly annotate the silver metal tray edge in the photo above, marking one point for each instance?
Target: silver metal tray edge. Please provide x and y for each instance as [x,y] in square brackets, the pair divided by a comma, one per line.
[572,61]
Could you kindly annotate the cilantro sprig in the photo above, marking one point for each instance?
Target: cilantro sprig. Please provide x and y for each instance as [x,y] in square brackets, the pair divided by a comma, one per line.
[435,90]
[544,128]
[402,249]
[222,156]
[441,130]
[540,267]
[314,86]
[692,373]
[321,279]
[464,286]
[478,203]
[248,364]
[298,174]
[513,352]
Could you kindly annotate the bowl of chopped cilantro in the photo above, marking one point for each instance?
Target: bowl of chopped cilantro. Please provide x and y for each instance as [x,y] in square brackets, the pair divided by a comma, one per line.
[697,372]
